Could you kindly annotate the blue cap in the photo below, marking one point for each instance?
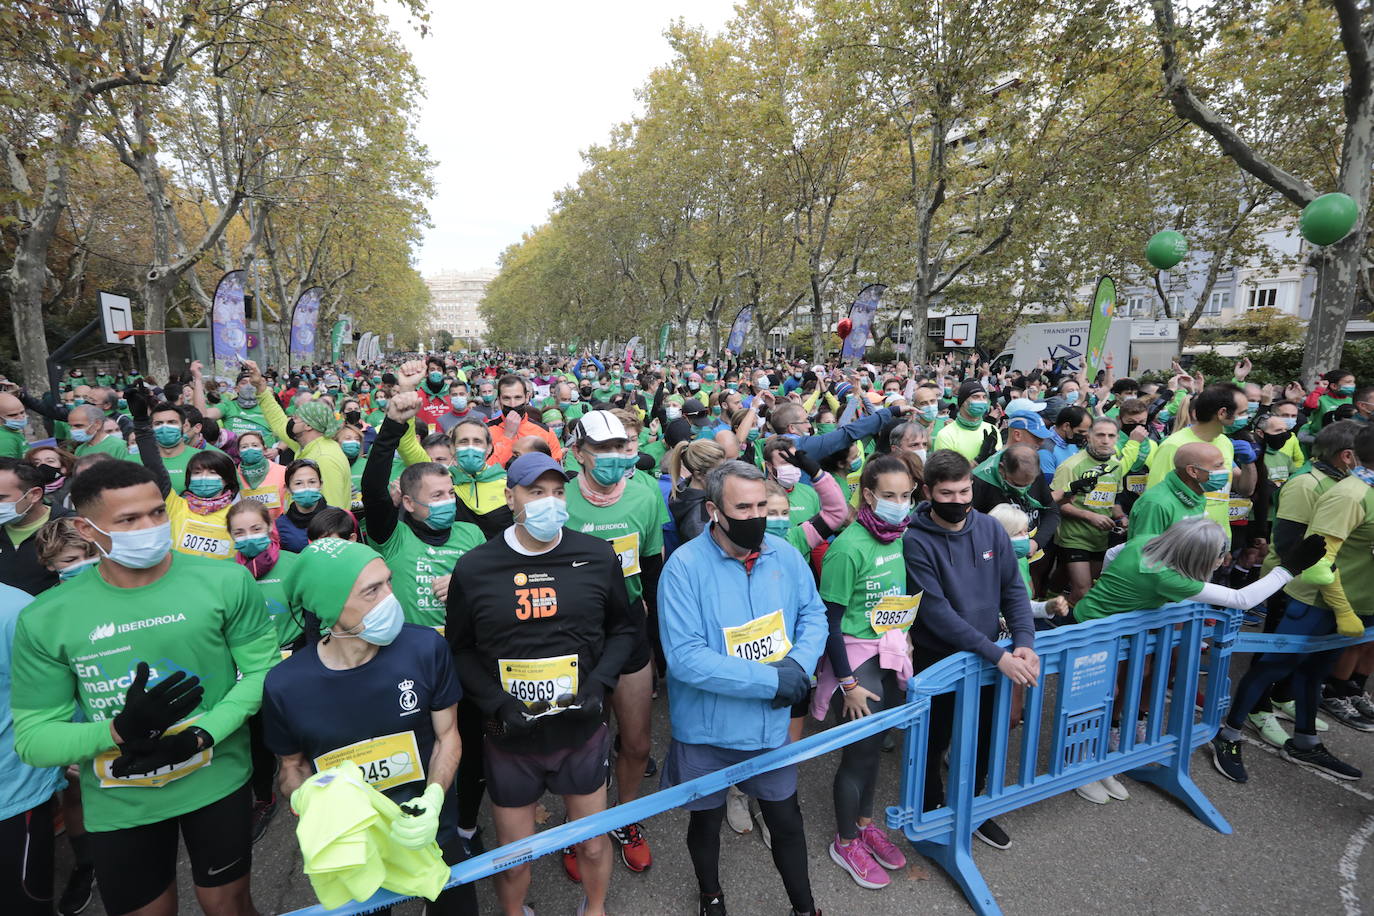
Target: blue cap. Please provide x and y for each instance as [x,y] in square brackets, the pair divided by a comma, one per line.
[1031,423]
[528,468]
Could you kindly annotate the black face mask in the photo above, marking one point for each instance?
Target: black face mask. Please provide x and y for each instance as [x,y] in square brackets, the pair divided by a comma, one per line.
[1129,428]
[518,409]
[1275,441]
[1079,440]
[353,416]
[49,473]
[746,533]
[951,512]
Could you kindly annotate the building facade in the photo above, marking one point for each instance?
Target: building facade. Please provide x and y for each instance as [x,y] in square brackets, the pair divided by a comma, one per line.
[454,298]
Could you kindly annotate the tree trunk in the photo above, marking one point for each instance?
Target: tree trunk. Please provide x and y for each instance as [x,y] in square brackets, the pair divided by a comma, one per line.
[26,301]
[1338,268]
[817,322]
[920,310]
[156,292]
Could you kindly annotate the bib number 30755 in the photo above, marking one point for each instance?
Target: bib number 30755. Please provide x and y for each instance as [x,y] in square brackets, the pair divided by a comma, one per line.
[763,639]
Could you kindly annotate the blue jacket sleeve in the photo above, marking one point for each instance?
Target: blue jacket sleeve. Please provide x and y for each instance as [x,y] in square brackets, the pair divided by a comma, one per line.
[826,444]
[577,369]
[695,661]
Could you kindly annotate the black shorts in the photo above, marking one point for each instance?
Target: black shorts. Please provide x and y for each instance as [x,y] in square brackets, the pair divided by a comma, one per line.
[515,780]
[135,865]
[1078,555]
[643,652]
[26,857]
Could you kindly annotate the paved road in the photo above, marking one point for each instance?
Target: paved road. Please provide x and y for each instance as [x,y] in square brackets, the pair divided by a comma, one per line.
[1302,844]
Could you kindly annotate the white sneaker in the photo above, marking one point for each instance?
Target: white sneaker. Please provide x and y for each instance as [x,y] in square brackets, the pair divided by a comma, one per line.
[763,829]
[737,811]
[1114,788]
[1094,792]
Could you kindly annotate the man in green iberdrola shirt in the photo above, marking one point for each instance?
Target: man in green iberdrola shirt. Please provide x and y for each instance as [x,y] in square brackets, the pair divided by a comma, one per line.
[163,656]
[173,431]
[88,431]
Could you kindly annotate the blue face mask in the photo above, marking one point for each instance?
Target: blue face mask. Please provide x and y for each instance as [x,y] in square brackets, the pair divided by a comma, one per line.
[382,624]
[856,464]
[76,569]
[1364,473]
[141,549]
[1216,481]
[253,545]
[306,498]
[929,413]
[1071,397]
[778,526]
[250,455]
[1020,547]
[206,487]
[16,423]
[167,436]
[460,402]
[545,517]
[441,515]
[610,469]
[436,378]
[892,512]
[351,447]
[81,435]
[1289,422]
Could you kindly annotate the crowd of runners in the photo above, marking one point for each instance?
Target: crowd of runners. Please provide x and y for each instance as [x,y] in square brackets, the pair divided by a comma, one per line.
[472,576]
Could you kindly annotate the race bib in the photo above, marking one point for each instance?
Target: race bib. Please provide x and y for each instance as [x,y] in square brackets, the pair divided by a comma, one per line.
[1102,495]
[268,496]
[895,612]
[540,682]
[627,549]
[1279,473]
[1238,510]
[763,639]
[160,777]
[203,540]
[1135,483]
[386,762]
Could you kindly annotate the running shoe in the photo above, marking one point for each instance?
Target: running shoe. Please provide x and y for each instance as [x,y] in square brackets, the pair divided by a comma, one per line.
[77,895]
[473,845]
[1289,712]
[1251,618]
[634,849]
[712,905]
[1343,710]
[883,850]
[1363,705]
[1227,759]
[1318,757]
[1094,792]
[1266,725]
[764,832]
[737,811]
[570,866]
[992,834]
[1114,788]
[650,767]
[582,908]
[262,816]
[858,861]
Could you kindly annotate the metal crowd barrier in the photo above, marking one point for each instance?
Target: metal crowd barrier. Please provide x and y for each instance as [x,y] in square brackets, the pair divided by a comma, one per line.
[1171,666]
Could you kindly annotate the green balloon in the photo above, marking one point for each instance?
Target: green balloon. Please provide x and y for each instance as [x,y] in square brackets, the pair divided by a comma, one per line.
[1165,249]
[1329,218]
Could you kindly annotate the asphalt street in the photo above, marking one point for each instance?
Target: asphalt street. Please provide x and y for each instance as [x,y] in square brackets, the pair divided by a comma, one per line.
[1303,843]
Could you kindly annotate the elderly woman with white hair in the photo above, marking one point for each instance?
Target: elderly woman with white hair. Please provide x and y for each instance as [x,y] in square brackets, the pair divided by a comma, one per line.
[1176,566]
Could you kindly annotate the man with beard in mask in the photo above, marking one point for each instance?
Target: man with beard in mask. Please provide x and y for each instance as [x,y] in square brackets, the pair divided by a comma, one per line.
[964,566]
[240,413]
[1090,481]
[513,396]
[737,666]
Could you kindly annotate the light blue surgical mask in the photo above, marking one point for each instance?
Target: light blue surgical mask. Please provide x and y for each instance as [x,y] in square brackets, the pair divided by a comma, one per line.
[81,435]
[892,511]
[17,424]
[460,402]
[928,413]
[672,413]
[11,511]
[545,517]
[1071,397]
[610,469]
[252,545]
[71,572]
[206,487]
[441,515]
[778,526]
[381,625]
[1289,422]
[1364,473]
[141,549]
[306,498]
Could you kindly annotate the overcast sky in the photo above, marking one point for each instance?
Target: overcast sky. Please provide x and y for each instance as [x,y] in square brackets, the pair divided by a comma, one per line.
[516,92]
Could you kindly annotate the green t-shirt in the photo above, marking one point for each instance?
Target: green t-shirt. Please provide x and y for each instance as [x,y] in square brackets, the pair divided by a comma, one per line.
[287,619]
[1076,533]
[415,565]
[12,443]
[633,525]
[1346,511]
[78,646]
[803,503]
[245,420]
[110,445]
[176,466]
[1161,505]
[1128,584]
[859,571]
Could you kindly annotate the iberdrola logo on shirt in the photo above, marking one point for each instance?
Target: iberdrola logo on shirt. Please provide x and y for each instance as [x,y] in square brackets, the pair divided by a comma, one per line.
[105,630]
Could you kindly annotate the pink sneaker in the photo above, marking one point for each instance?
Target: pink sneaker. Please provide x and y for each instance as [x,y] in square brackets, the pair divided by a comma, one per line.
[856,860]
[883,850]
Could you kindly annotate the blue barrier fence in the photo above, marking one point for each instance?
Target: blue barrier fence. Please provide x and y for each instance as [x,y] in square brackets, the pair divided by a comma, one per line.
[1147,664]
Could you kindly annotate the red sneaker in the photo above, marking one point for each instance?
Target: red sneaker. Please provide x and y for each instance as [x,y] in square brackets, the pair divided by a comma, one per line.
[634,849]
[570,865]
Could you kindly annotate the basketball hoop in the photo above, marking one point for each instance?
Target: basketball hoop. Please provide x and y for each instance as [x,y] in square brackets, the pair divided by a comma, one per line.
[958,341]
[125,335]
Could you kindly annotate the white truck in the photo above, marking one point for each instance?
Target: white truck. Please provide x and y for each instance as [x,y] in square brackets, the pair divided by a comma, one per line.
[1138,344]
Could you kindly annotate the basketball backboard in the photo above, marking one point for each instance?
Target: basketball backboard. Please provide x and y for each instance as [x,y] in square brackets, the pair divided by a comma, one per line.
[116,314]
[961,331]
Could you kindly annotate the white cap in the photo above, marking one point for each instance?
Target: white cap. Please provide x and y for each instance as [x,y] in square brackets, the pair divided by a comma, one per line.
[601,426]
[1024,405]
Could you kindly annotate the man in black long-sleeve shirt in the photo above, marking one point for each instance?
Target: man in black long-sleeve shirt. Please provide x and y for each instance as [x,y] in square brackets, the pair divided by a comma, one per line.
[539,624]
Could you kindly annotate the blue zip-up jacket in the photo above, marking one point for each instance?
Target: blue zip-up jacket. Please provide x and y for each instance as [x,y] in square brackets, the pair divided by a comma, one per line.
[714,698]
[965,579]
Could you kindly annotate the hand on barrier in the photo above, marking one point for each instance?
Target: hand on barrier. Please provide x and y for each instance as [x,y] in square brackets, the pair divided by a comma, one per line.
[1017,669]
[421,822]
[1307,554]
[1349,625]
[793,683]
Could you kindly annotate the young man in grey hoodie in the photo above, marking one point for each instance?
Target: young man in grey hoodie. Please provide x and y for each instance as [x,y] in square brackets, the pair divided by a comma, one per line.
[962,563]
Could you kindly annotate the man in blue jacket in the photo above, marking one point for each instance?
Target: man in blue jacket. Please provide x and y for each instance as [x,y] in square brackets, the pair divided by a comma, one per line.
[744,627]
[790,420]
[962,563]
